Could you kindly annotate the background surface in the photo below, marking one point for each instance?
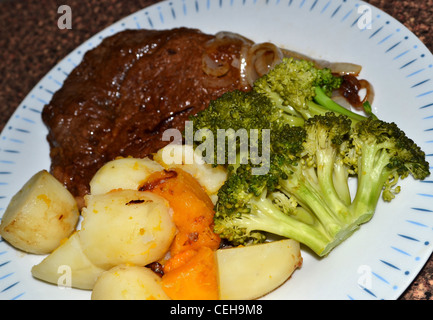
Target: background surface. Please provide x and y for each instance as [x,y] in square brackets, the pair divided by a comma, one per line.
[31,44]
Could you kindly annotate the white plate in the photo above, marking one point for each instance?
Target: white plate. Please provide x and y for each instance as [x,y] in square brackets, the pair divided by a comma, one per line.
[381,259]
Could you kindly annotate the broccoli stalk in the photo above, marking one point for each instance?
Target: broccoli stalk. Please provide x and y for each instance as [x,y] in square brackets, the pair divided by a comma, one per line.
[324,101]
[341,174]
[370,185]
[266,216]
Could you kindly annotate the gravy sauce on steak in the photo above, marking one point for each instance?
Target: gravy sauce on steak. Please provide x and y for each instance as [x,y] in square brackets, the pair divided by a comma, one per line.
[123,95]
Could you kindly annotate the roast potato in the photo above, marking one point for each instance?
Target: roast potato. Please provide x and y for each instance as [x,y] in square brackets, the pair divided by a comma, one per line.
[68,266]
[122,173]
[40,215]
[126,226]
[252,271]
[126,282]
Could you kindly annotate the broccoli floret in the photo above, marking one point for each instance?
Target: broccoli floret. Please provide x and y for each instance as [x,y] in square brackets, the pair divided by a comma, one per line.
[325,147]
[243,216]
[238,110]
[385,155]
[249,206]
[319,177]
[233,202]
[302,90]
[228,112]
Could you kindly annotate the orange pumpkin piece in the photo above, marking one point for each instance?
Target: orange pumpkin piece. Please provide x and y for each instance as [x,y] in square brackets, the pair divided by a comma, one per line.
[179,260]
[192,271]
[192,276]
[193,210]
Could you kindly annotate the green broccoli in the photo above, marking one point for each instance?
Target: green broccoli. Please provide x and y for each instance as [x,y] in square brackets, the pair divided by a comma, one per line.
[326,146]
[299,198]
[315,148]
[385,155]
[235,111]
[228,112]
[302,90]
[288,201]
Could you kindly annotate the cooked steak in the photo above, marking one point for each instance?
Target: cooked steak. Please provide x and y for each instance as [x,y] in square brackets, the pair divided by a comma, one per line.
[123,95]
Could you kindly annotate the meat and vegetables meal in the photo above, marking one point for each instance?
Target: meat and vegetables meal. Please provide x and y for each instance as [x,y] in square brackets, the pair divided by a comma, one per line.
[270,141]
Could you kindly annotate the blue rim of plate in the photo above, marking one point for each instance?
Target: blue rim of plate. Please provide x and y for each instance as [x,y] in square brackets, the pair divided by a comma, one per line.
[407,53]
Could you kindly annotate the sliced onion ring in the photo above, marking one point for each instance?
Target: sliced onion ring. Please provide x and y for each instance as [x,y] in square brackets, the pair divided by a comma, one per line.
[225,35]
[369,96]
[265,56]
[345,68]
[339,68]
[214,68]
[220,68]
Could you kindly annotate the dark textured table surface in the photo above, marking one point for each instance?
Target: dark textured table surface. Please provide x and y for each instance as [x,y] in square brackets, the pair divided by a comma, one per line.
[31,44]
